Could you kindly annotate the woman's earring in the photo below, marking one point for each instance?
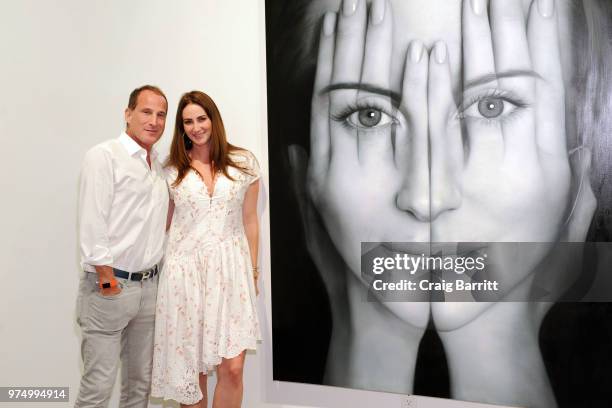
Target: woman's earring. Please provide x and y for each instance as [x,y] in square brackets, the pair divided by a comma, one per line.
[188,142]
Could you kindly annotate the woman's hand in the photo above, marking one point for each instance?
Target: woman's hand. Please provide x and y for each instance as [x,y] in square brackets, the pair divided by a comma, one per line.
[514,178]
[514,164]
[359,136]
[256,280]
[507,143]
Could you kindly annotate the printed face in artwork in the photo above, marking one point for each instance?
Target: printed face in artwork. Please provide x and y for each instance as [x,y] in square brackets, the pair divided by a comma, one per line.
[443,122]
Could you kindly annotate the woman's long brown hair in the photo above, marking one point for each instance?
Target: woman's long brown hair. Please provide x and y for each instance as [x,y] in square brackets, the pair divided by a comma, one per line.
[220,149]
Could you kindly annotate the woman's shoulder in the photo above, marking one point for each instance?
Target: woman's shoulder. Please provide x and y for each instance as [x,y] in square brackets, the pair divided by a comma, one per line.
[247,163]
[170,173]
[241,155]
[244,158]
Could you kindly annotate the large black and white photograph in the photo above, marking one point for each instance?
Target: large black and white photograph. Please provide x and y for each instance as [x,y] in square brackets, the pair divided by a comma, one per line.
[394,124]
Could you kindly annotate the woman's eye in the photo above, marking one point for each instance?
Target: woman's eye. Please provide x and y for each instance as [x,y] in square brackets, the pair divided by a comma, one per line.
[490,108]
[368,118]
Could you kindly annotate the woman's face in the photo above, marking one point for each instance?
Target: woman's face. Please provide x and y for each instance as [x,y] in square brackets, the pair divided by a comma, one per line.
[197,124]
[442,121]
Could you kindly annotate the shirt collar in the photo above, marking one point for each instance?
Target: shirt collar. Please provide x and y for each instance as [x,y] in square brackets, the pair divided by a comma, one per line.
[132,147]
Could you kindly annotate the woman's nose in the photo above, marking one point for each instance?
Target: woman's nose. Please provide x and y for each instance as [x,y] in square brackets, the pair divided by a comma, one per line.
[413,195]
[430,177]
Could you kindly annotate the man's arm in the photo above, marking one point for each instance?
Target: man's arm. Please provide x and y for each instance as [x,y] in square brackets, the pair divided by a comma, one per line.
[95,201]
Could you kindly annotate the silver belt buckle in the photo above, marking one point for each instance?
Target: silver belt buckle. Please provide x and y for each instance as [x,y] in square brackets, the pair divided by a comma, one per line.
[145,275]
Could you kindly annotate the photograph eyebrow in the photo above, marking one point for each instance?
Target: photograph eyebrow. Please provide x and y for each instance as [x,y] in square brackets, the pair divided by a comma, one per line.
[395,96]
[486,78]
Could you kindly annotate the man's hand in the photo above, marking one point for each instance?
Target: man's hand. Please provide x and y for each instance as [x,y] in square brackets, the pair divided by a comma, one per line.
[105,274]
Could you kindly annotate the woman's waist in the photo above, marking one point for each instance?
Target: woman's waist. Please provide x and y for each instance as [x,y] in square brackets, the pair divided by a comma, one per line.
[206,243]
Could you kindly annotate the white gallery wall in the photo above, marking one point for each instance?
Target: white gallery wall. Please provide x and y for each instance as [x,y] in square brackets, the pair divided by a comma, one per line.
[66,71]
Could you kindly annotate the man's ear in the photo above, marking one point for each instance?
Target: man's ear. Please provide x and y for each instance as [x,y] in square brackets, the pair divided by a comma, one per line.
[585,203]
[127,114]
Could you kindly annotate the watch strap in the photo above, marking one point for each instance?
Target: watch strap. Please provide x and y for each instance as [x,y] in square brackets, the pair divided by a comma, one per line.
[110,284]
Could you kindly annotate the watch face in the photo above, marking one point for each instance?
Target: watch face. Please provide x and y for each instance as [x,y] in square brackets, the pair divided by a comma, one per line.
[106,285]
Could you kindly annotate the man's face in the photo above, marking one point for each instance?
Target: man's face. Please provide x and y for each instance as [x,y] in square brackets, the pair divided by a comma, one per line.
[146,122]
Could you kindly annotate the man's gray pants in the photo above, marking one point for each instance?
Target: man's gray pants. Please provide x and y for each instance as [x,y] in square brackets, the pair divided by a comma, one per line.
[113,328]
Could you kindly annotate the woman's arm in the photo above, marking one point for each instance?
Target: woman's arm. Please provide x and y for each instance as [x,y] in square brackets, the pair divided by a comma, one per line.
[170,214]
[251,225]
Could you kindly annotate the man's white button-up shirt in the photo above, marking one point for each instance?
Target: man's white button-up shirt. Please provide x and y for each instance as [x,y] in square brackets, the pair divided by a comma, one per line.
[122,207]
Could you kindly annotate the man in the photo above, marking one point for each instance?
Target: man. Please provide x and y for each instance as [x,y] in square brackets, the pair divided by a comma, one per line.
[123,203]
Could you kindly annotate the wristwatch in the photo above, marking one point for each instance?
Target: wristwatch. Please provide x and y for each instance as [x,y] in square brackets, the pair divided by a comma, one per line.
[106,285]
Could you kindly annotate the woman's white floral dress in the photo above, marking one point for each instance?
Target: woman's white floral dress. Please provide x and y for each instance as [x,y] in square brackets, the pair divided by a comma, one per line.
[206,297]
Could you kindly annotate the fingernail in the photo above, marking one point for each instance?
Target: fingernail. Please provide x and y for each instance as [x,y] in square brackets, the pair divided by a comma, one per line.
[377,13]
[546,8]
[329,23]
[440,52]
[349,7]
[477,6]
[416,51]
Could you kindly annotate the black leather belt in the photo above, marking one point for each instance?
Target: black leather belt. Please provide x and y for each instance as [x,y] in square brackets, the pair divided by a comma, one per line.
[137,276]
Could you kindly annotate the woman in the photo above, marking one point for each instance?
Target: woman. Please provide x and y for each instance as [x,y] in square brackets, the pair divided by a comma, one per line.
[206,315]
[445,122]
